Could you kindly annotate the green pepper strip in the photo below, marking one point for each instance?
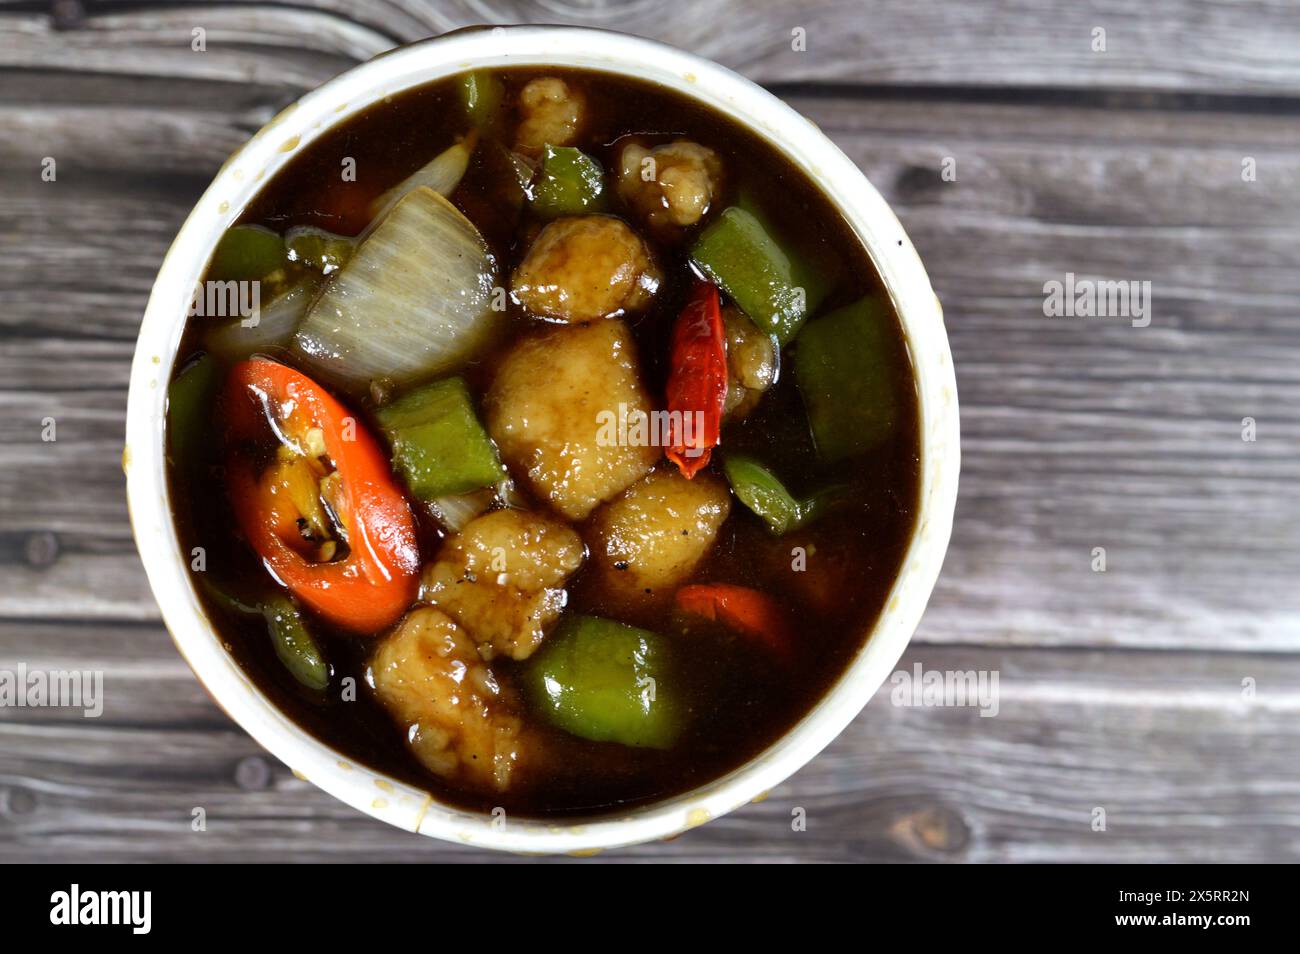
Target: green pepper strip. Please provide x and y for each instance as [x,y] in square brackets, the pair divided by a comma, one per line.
[762,492]
[570,183]
[775,289]
[439,446]
[294,645]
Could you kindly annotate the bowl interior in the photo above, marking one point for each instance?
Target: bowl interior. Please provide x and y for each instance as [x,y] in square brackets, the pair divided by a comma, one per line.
[295,128]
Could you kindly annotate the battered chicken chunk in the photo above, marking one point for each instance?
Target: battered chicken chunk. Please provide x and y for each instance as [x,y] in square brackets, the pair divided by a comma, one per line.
[549,409]
[502,579]
[584,267]
[671,186]
[751,363]
[458,720]
[551,113]
[655,534]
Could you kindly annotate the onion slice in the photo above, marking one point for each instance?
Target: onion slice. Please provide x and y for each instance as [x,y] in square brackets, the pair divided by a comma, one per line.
[412,302]
[455,511]
[235,339]
[442,175]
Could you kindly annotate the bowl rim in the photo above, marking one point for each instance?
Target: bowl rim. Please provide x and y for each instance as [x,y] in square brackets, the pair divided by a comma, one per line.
[240,179]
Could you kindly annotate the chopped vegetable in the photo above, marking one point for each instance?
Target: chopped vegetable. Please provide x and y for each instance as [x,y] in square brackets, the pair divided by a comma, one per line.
[814,507]
[762,492]
[842,366]
[247,253]
[455,511]
[442,175]
[318,249]
[294,644]
[189,409]
[481,92]
[504,180]
[776,290]
[438,444]
[605,681]
[325,517]
[697,381]
[747,611]
[236,338]
[523,169]
[227,600]
[413,302]
[570,183]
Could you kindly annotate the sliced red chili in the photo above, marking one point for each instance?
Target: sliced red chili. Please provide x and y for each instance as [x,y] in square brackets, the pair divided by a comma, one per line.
[747,611]
[283,506]
[697,381]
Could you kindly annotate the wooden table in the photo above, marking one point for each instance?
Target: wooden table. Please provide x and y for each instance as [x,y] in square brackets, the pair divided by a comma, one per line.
[1127,690]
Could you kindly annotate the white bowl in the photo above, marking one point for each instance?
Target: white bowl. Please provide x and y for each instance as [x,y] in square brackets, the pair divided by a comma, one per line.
[296,127]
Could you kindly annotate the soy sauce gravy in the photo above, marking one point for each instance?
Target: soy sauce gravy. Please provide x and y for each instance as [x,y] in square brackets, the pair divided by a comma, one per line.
[831,577]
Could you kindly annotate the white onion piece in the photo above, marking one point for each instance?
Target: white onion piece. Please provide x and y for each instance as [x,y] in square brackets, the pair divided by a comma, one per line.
[454,511]
[524,172]
[276,323]
[510,496]
[442,175]
[412,302]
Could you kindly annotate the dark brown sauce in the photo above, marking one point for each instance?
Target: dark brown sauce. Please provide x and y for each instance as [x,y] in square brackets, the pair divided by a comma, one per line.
[741,698]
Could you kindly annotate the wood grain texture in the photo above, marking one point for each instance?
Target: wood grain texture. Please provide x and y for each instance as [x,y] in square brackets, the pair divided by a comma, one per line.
[1120,689]
[1162,46]
[1185,767]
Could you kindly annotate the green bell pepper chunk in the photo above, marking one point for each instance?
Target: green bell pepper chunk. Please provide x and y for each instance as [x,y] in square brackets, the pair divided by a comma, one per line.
[294,644]
[190,399]
[842,367]
[605,681]
[777,290]
[247,253]
[570,183]
[318,249]
[481,92]
[762,492]
[227,600]
[438,444]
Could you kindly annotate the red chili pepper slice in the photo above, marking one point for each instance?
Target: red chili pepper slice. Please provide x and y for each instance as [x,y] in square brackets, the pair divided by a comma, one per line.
[747,611]
[369,588]
[697,381]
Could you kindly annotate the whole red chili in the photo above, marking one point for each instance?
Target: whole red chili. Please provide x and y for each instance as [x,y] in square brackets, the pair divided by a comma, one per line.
[697,381]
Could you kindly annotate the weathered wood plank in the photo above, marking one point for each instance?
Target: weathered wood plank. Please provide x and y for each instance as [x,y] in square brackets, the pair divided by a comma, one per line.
[1077,433]
[290,48]
[1185,766]
[1165,45]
